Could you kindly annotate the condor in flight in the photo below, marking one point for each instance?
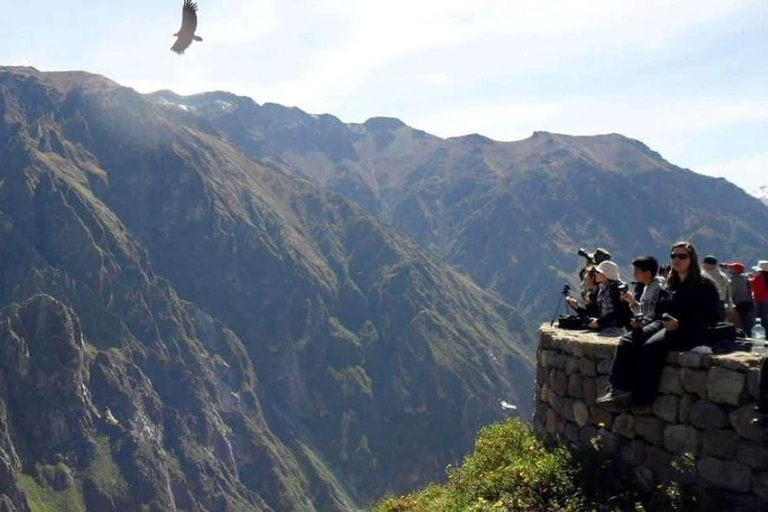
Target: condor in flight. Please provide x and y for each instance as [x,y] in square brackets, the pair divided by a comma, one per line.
[186,33]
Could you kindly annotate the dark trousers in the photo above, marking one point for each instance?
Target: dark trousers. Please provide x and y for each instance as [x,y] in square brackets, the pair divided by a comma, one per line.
[640,359]
[747,316]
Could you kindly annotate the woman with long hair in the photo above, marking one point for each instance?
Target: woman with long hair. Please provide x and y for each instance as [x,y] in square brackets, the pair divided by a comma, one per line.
[689,311]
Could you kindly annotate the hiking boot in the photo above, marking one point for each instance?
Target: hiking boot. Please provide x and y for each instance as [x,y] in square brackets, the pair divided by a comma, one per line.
[615,397]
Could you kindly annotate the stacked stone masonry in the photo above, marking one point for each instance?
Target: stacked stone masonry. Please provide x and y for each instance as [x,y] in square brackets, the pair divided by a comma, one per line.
[704,407]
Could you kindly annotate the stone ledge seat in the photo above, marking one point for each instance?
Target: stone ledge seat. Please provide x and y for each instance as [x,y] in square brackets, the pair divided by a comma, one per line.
[705,407]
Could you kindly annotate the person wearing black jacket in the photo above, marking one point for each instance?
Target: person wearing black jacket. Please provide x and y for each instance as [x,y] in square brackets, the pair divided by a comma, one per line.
[688,314]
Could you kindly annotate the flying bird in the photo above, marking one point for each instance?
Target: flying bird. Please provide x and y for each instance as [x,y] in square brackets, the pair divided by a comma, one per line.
[186,33]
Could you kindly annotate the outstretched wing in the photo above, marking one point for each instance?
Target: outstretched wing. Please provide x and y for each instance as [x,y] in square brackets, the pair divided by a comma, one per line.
[188,27]
[189,17]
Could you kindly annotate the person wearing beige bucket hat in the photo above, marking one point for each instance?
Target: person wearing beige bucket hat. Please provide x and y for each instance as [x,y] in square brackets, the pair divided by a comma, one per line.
[613,313]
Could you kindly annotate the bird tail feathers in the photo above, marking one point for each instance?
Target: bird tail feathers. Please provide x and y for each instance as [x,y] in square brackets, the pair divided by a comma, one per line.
[198,38]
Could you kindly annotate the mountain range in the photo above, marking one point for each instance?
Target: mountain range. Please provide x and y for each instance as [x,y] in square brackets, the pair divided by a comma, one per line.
[512,215]
[211,304]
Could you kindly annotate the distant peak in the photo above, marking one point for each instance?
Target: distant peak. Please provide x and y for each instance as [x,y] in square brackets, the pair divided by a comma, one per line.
[473,138]
[63,81]
[376,124]
[19,69]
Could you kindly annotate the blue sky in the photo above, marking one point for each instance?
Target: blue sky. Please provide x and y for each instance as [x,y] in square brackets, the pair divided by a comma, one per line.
[688,78]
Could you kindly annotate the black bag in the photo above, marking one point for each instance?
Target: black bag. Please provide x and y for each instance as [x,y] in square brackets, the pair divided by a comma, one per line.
[572,323]
[723,336]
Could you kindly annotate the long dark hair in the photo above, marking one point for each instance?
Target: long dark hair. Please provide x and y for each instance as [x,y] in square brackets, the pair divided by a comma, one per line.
[694,271]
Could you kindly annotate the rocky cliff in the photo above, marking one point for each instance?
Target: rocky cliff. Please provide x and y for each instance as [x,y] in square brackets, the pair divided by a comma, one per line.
[186,328]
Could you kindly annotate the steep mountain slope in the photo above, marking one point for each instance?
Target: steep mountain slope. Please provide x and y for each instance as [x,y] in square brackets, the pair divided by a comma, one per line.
[221,335]
[512,215]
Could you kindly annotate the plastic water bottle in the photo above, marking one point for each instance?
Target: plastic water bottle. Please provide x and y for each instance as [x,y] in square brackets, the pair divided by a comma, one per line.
[758,339]
[758,331]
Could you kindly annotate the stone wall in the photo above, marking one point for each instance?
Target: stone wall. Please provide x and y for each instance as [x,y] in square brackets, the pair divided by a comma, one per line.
[705,407]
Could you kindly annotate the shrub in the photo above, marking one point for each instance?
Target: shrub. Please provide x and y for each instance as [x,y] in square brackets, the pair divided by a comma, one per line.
[511,469]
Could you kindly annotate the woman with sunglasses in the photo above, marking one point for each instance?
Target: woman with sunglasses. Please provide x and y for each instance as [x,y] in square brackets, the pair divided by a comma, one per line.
[689,312]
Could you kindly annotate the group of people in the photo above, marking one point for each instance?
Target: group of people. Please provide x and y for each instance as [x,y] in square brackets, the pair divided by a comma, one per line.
[674,308]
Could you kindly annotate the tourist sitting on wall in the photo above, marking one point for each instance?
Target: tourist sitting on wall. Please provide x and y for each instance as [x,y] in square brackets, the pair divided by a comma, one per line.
[589,296]
[741,289]
[688,313]
[645,309]
[611,318]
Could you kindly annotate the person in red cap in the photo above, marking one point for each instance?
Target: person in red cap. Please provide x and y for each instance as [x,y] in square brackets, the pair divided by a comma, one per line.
[741,291]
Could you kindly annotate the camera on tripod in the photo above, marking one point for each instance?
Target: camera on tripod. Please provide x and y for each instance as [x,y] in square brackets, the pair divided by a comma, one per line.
[595,258]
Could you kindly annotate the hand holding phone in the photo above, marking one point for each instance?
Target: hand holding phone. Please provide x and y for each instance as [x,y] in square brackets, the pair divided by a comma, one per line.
[670,322]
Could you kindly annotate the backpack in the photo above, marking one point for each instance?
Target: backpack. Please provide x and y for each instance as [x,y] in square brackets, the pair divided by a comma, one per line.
[572,323]
[723,338]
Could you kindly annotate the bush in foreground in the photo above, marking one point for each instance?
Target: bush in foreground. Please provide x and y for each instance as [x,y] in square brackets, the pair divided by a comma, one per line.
[512,469]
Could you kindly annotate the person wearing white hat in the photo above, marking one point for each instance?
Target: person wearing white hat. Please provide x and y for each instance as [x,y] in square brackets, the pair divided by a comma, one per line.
[613,316]
[760,292]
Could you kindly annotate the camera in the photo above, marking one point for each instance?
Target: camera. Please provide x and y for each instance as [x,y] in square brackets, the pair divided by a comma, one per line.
[584,254]
[623,287]
[566,290]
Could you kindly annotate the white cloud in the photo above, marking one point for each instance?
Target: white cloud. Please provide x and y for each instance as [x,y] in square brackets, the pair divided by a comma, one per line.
[238,21]
[526,35]
[438,79]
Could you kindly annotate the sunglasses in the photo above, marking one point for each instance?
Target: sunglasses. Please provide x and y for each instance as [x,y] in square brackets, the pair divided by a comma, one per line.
[681,257]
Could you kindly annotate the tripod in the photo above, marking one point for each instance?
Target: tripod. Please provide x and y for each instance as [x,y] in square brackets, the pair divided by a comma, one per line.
[560,300]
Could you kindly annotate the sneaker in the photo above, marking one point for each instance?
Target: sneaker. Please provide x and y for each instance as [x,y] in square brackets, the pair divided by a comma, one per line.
[615,397]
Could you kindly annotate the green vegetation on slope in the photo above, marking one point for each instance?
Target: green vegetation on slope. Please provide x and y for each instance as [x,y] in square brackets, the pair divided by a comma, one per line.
[513,469]
[42,498]
[59,488]
[510,468]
